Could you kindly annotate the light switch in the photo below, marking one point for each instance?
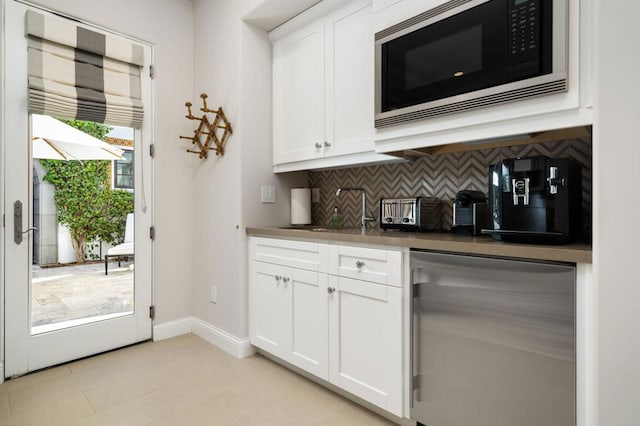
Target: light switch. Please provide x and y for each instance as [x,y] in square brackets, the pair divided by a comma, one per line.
[268,194]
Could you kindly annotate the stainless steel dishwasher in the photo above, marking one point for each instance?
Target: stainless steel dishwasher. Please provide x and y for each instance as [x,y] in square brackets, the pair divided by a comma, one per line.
[493,341]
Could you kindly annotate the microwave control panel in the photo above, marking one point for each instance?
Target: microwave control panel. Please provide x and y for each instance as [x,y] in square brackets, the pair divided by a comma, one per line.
[524,24]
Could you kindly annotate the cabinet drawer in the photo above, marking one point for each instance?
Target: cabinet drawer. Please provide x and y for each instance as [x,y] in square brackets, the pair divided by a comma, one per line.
[295,254]
[368,264]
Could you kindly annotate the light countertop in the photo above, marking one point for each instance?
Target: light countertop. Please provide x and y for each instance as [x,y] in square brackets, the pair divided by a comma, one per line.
[440,241]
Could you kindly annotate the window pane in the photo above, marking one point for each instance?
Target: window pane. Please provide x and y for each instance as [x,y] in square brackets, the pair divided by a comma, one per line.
[124,171]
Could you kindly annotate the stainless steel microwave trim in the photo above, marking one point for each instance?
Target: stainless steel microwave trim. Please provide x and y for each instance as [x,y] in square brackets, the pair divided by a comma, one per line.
[474,100]
[556,82]
[429,17]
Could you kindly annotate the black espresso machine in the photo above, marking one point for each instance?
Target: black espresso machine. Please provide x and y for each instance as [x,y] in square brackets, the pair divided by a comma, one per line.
[535,200]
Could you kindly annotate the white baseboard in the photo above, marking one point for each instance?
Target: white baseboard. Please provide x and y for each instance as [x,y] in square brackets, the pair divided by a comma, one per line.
[239,348]
[171,329]
[236,346]
[1,372]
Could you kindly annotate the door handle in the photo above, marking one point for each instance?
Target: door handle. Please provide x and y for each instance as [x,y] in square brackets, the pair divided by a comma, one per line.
[17,222]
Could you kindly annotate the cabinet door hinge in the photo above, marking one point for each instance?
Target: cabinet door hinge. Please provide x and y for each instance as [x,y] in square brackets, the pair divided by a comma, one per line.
[152,312]
[152,232]
[152,71]
[152,150]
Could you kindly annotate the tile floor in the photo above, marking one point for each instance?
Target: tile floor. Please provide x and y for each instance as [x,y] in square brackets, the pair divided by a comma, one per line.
[179,381]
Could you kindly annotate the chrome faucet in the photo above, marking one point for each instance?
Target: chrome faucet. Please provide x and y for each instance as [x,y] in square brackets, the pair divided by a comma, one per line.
[364,218]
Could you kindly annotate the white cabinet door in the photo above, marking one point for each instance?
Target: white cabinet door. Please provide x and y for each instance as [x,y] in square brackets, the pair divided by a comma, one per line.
[365,346]
[298,95]
[310,327]
[323,87]
[288,315]
[269,309]
[350,74]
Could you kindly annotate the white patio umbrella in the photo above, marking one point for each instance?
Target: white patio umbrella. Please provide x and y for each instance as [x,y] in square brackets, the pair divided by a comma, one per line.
[55,140]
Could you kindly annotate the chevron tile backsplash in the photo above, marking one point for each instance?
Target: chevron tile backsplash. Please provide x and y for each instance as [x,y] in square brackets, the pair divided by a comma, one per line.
[435,176]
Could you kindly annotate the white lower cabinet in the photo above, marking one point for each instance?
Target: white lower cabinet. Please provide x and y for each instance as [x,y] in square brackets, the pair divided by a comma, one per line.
[346,331]
[309,333]
[288,315]
[365,343]
[270,309]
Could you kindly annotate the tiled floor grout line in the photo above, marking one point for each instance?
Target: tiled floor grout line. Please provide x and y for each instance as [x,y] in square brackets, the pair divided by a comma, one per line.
[201,386]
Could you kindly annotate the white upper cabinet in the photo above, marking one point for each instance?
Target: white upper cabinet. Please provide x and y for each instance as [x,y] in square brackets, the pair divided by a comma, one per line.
[323,89]
[298,94]
[349,69]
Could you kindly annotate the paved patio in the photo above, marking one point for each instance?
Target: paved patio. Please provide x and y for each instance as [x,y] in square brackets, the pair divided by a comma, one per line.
[75,292]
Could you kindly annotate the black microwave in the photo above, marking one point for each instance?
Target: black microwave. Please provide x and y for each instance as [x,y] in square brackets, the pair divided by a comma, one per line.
[468,54]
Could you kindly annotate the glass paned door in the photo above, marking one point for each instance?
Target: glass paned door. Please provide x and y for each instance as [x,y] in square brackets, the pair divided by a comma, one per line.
[83,250]
[72,287]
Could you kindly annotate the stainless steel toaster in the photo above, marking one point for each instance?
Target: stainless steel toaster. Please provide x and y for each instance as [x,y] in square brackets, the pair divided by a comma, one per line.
[411,214]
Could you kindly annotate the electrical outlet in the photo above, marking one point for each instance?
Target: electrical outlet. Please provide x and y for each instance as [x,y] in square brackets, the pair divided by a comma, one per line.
[268,194]
[214,294]
[315,195]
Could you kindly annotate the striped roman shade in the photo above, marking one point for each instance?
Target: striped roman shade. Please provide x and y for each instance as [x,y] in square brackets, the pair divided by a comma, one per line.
[76,73]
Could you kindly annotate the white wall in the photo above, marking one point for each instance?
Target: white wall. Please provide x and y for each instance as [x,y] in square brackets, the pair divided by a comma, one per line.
[217,215]
[616,159]
[168,26]
[233,66]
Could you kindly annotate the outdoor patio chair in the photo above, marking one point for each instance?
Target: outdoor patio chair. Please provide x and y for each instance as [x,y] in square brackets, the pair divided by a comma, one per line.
[124,250]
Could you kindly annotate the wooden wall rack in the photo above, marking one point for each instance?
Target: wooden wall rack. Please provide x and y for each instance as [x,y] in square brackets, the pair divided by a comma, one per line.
[205,137]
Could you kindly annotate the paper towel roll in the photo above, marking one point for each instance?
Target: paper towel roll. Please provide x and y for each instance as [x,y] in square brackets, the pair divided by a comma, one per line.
[300,206]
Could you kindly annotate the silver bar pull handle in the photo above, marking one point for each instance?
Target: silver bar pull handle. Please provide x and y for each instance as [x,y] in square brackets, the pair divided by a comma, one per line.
[413,346]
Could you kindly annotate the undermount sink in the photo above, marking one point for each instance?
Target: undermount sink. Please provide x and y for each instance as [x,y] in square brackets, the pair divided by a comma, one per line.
[304,228]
